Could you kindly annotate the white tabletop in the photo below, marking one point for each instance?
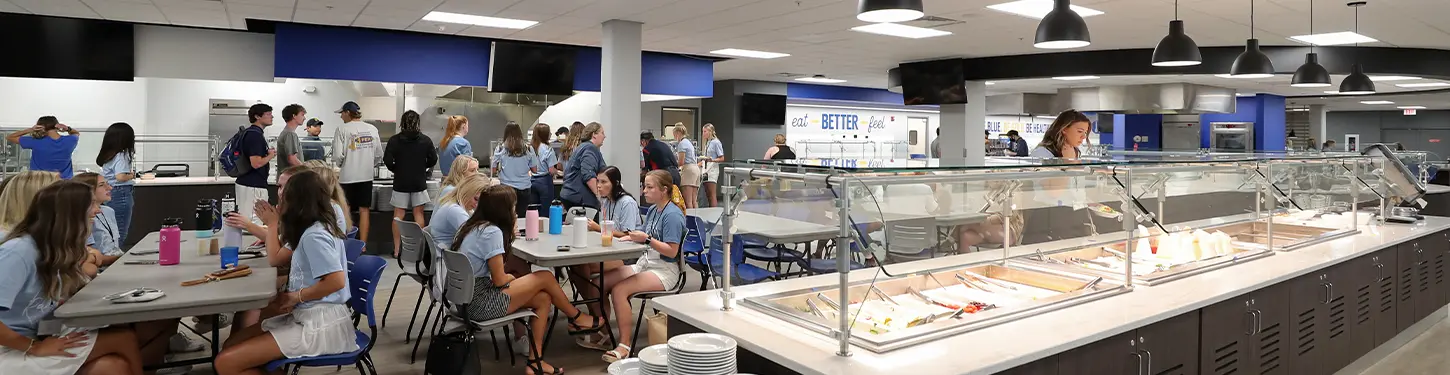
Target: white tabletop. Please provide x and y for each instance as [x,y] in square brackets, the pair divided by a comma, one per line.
[87,309]
[544,252]
[771,228]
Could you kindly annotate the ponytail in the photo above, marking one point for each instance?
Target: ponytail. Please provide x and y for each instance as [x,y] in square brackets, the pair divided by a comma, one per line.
[677,198]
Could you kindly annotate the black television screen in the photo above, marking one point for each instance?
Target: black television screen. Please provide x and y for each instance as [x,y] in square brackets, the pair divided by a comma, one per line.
[55,47]
[762,109]
[524,68]
[933,82]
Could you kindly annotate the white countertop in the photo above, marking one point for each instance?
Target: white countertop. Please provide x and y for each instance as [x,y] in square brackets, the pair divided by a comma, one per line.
[1002,347]
[1436,189]
[177,181]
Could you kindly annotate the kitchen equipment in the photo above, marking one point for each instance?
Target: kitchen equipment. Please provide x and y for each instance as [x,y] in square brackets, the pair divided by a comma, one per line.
[170,242]
[556,217]
[219,275]
[1232,136]
[581,229]
[531,223]
[171,170]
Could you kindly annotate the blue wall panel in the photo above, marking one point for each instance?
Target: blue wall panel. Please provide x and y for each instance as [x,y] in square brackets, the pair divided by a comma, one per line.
[1265,111]
[323,53]
[826,92]
[1147,125]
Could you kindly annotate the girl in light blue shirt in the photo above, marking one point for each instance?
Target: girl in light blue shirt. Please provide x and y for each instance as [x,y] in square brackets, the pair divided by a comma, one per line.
[689,167]
[453,144]
[118,149]
[543,181]
[453,209]
[514,165]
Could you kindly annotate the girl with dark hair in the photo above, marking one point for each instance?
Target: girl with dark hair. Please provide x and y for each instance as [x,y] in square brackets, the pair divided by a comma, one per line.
[51,144]
[617,205]
[659,267]
[543,180]
[44,261]
[515,165]
[117,156]
[1069,130]
[410,156]
[311,317]
[486,239]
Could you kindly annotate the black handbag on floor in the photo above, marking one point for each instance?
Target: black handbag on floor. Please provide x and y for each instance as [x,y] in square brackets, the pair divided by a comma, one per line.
[452,354]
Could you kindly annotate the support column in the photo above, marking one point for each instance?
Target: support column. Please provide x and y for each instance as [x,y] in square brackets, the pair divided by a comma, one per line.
[1318,125]
[401,105]
[620,97]
[963,128]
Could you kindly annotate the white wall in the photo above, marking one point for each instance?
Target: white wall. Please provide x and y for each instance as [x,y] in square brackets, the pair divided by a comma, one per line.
[808,125]
[175,52]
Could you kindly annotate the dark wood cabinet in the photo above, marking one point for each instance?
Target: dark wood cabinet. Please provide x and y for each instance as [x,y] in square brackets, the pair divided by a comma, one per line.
[1385,310]
[1168,347]
[1436,247]
[1308,298]
[1045,366]
[1113,355]
[1406,285]
[1246,334]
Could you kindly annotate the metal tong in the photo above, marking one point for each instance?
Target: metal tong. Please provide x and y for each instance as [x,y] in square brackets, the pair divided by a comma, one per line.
[1090,285]
[988,280]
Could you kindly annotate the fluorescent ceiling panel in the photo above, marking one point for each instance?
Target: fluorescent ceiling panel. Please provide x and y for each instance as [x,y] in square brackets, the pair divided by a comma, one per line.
[898,30]
[469,19]
[749,53]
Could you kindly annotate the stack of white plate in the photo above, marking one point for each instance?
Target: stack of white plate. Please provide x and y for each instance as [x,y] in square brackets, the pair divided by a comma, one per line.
[655,360]
[701,354]
[628,366]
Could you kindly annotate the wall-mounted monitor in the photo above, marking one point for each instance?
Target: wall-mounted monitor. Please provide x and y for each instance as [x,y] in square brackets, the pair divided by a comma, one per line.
[933,82]
[762,109]
[527,68]
[73,48]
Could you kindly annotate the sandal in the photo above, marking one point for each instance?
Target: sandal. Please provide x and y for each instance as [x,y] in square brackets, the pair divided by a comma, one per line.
[616,355]
[594,341]
[576,329]
[531,364]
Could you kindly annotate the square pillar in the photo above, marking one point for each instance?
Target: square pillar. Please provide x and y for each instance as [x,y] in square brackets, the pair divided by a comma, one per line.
[620,98]
[963,128]
[1318,125]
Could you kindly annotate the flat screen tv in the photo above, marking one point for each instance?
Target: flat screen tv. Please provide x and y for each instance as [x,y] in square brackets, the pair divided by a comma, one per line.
[933,82]
[526,68]
[762,109]
[72,48]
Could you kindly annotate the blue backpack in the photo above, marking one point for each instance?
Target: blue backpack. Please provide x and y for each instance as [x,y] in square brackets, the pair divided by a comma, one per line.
[231,158]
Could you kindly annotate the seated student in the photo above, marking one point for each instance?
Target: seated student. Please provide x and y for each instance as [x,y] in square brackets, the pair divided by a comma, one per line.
[466,166]
[330,176]
[311,318]
[40,266]
[19,193]
[620,207]
[485,239]
[338,205]
[658,268]
[105,233]
[453,210]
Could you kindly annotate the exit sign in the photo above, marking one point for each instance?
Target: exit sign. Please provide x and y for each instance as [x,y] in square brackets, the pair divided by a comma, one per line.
[1410,112]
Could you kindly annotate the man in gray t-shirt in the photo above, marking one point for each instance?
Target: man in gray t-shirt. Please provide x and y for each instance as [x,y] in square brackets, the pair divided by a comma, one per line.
[289,148]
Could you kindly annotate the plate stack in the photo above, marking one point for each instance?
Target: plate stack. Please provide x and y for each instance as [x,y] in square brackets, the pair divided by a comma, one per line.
[655,360]
[701,354]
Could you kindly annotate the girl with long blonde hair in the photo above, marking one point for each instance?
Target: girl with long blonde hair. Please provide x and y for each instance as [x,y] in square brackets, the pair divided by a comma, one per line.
[334,191]
[19,193]
[714,154]
[467,167]
[571,141]
[689,165]
[453,144]
[454,209]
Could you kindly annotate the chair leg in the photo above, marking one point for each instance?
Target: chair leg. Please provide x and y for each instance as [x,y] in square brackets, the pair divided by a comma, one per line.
[369,359]
[414,356]
[508,338]
[634,338]
[703,280]
[408,335]
[295,369]
[537,353]
[389,307]
[492,337]
[426,318]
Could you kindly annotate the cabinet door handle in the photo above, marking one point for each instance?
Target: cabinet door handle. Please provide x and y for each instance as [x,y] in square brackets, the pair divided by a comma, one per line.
[1140,361]
[1149,365]
[1331,292]
[1258,321]
[1250,315]
[1326,293]
[1381,267]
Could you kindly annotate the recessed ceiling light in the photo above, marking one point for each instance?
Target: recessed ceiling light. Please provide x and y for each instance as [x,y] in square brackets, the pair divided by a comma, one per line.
[1423,84]
[1075,78]
[1245,94]
[1411,107]
[1297,110]
[1046,117]
[1038,9]
[1376,102]
[898,30]
[749,53]
[469,19]
[1332,39]
[1332,92]
[1243,76]
[819,79]
[1391,78]
[989,83]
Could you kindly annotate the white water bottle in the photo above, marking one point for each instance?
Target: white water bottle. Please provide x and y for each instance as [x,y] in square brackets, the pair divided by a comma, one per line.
[581,232]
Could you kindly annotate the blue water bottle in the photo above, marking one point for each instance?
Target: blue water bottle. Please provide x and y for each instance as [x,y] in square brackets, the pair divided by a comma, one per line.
[556,217]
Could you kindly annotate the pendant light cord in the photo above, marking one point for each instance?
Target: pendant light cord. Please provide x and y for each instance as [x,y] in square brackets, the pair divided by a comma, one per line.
[1311,24]
[1251,19]
[1175,9]
[1356,23]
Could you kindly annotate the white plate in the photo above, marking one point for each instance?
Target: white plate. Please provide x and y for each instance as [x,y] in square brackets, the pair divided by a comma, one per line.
[629,366]
[655,356]
[729,354]
[702,343]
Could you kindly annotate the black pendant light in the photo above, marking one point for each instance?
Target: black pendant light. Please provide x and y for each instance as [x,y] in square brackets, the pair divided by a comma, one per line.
[878,11]
[1311,74]
[1176,49]
[1252,63]
[1357,83]
[1062,28]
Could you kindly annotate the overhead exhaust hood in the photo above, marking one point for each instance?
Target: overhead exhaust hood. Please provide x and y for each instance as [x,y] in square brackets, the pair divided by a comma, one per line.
[482,95]
[1168,98]
[1022,104]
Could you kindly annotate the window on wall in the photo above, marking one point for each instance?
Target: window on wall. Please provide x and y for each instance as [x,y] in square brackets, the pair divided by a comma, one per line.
[912,138]
[669,116]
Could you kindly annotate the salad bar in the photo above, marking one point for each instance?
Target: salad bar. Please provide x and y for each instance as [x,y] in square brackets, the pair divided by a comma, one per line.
[907,310]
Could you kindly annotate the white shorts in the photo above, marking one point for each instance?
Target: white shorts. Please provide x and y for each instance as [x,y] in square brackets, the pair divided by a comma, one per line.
[668,276]
[409,200]
[16,362]
[247,198]
[712,173]
[319,329]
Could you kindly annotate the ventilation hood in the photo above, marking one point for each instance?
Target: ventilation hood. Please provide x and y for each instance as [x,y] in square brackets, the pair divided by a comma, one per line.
[482,95]
[1168,98]
[1022,104]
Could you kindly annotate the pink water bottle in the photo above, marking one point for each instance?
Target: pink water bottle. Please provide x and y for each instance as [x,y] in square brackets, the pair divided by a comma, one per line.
[531,223]
[170,243]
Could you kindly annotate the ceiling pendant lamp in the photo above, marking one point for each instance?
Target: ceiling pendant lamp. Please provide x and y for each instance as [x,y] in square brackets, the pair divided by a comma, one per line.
[1311,74]
[878,11]
[1176,49]
[1357,83]
[1062,28]
[1252,63]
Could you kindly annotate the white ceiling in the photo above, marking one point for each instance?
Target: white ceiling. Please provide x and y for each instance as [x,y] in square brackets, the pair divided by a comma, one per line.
[815,32]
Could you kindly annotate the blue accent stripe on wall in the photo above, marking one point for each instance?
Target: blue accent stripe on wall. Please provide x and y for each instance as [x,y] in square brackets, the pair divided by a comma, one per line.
[671,74]
[825,92]
[321,52]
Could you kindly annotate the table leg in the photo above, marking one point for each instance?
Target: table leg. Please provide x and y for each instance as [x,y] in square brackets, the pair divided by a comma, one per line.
[608,331]
[216,323]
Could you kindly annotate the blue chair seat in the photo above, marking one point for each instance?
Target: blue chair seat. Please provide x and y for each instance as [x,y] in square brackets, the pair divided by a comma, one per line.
[819,266]
[745,273]
[696,262]
[752,241]
[352,233]
[343,359]
[772,254]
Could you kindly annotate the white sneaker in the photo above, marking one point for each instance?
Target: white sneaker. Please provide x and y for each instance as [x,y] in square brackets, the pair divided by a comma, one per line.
[521,346]
[203,323]
[181,343]
[179,370]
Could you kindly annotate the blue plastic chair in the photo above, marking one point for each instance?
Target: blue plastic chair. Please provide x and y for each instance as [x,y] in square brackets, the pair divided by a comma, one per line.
[694,248]
[822,266]
[745,273]
[352,233]
[362,277]
[354,249]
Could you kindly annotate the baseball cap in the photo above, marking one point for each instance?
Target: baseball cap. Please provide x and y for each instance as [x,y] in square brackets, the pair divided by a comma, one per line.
[350,107]
[313,122]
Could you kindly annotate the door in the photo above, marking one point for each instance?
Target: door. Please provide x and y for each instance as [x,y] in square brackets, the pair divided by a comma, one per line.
[919,135]
[1045,366]
[1269,345]
[1113,355]
[1170,347]
[1363,275]
[1385,298]
[1406,286]
[1337,319]
[1225,337]
[1308,300]
[669,116]
[1432,275]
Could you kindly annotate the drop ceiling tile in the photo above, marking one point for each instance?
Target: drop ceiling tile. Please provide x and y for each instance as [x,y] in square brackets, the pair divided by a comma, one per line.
[266,3]
[63,8]
[424,5]
[475,7]
[7,7]
[437,28]
[408,14]
[332,4]
[551,7]
[260,12]
[486,32]
[127,11]
[382,22]
[199,18]
[336,16]
[604,10]
[193,5]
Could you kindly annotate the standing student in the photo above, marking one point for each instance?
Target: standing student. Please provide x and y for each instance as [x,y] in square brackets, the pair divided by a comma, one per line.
[312,148]
[571,141]
[453,144]
[689,167]
[355,150]
[41,265]
[936,144]
[714,154]
[543,181]
[657,156]
[289,148]
[252,185]
[515,165]
[410,156]
[582,167]
[780,151]
[118,151]
[51,144]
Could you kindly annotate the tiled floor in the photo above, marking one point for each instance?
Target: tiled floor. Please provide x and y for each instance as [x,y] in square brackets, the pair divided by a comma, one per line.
[1425,354]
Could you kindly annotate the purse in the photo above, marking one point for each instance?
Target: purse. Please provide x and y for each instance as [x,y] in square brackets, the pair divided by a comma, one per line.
[452,354]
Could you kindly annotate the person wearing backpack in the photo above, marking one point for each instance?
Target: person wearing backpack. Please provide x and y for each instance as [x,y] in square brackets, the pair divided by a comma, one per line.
[257,157]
